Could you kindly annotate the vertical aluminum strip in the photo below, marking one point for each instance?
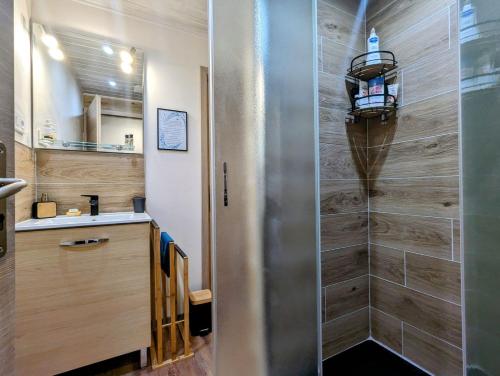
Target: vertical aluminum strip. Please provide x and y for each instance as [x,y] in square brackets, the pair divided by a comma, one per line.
[479,22]
[266,238]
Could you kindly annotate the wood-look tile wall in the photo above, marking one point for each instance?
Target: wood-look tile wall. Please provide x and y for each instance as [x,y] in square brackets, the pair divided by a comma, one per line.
[414,189]
[25,169]
[66,175]
[395,184]
[344,195]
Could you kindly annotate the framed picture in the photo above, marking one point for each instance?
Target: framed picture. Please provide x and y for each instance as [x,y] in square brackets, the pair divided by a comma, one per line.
[172,130]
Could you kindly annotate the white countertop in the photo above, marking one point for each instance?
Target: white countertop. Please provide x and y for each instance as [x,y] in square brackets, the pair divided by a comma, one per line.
[64,221]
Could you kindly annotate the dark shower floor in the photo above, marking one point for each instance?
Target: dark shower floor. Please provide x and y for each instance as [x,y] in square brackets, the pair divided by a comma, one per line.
[369,358]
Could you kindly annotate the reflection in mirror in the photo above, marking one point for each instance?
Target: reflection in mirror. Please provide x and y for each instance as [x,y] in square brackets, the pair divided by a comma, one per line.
[87,92]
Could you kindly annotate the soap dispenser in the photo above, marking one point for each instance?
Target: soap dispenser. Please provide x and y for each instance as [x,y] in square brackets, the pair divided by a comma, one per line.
[373,49]
[44,208]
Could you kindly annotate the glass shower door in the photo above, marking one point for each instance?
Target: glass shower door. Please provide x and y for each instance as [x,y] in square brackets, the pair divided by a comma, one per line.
[480,132]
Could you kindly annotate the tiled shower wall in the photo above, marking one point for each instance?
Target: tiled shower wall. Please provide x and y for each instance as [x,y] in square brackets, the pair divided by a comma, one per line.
[413,177]
[403,287]
[344,208]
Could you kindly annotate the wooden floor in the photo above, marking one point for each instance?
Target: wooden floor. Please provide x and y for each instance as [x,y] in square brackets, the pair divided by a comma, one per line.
[199,365]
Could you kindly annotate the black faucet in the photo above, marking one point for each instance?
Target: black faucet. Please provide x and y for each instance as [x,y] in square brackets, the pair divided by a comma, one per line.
[94,204]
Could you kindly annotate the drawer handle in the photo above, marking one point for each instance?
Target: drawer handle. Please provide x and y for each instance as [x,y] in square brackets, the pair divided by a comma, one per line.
[83,243]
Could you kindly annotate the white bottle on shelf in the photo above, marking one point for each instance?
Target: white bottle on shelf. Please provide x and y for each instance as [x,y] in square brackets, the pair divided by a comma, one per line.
[373,48]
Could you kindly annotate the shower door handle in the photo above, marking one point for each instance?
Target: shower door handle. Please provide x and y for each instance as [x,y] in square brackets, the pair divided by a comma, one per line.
[226,199]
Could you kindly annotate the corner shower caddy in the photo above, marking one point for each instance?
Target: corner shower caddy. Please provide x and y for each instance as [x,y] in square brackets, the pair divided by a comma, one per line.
[362,70]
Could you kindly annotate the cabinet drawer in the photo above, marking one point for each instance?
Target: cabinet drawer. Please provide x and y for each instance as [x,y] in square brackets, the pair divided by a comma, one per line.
[80,305]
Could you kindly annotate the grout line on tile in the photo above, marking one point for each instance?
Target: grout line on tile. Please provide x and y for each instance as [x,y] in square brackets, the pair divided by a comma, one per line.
[413,140]
[426,98]
[336,8]
[331,40]
[402,338]
[347,314]
[403,357]
[449,27]
[340,214]
[346,281]
[433,336]
[452,242]
[434,257]
[404,266]
[411,215]
[418,291]
[345,247]
[347,348]
[414,177]
[380,10]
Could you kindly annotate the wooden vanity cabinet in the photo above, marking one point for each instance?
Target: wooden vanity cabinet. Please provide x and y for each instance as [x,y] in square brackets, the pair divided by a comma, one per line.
[77,305]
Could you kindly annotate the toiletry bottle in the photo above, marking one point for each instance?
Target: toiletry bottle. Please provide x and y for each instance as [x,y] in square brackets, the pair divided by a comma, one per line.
[376,88]
[468,21]
[362,102]
[373,48]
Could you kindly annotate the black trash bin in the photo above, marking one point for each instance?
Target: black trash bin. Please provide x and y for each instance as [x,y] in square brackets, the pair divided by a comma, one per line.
[139,204]
[200,312]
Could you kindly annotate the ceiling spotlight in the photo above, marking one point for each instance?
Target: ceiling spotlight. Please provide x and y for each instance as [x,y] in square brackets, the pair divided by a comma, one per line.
[56,54]
[112,83]
[50,41]
[126,57]
[126,67]
[107,49]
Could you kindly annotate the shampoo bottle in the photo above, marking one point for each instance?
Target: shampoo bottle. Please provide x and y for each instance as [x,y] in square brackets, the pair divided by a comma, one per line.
[373,48]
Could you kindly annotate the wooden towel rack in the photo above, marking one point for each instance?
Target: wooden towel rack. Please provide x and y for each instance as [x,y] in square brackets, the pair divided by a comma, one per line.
[164,301]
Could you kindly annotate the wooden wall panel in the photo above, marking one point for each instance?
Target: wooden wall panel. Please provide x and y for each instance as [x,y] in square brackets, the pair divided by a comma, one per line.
[345,297]
[435,316]
[66,175]
[436,356]
[428,37]
[439,278]
[437,197]
[77,167]
[342,162]
[343,196]
[387,263]
[435,156]
[344,264]
[430,117]
[339,26]
[344,190]
[429,236]
[386,329]
[344,332]
[343,230]
[25,169]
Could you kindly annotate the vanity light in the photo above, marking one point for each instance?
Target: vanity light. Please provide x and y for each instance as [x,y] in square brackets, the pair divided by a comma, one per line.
[56,54]
[126,67]
[107,49]
[50,41]
[126,57]
[112,83]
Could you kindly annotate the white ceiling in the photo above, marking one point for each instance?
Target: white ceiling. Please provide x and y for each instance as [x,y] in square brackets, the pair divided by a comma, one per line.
[190,15]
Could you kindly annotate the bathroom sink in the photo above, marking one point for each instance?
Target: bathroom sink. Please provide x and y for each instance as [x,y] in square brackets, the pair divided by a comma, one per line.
[64,221]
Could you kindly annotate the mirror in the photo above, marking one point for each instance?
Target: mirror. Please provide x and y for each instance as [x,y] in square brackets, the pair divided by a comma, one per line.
[87,92]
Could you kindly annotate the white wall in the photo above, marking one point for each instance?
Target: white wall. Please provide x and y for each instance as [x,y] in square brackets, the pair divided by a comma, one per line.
[173,60]
[22,71]
[57,97]
[114,129]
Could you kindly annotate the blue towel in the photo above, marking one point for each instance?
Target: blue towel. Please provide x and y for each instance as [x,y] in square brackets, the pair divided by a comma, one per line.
[165,240]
